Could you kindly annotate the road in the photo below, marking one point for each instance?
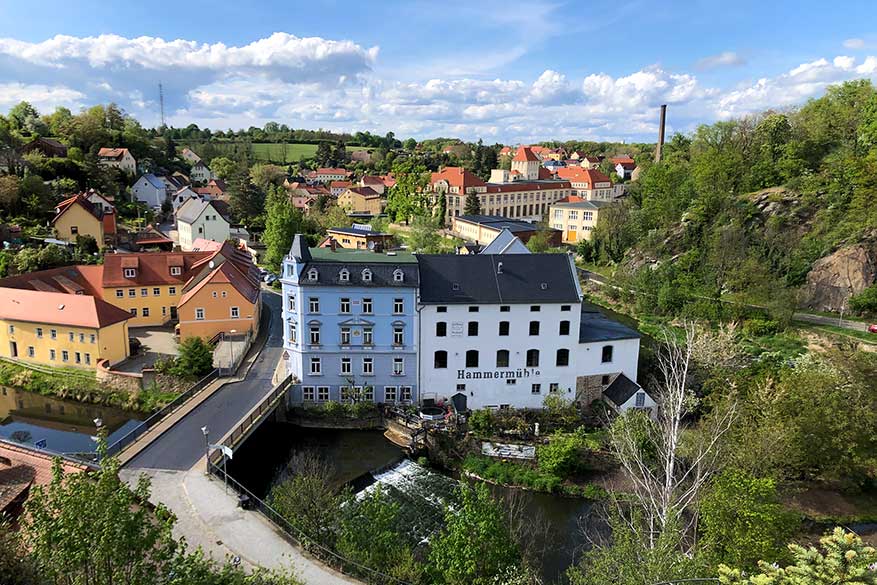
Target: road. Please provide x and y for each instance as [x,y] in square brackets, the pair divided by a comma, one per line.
[181,446]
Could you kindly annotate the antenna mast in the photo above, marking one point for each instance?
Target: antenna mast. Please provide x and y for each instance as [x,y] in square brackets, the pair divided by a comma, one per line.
[161,101]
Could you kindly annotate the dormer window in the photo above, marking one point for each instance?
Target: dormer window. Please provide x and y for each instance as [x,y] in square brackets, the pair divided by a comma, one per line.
[398,275]
[313,274]
[130,273]
[176,270]
[366,275]
[344,275]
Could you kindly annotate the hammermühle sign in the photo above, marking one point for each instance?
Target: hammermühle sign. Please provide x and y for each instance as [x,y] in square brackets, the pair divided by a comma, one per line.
[491,374]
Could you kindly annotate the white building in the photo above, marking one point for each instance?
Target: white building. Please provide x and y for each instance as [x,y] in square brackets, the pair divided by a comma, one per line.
[198,218]
[179,198]
[201,173]
[118,158]
[189,156]
[505,331]
[151,190]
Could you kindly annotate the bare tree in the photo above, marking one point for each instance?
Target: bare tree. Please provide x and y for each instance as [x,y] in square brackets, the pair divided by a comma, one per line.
[666,463]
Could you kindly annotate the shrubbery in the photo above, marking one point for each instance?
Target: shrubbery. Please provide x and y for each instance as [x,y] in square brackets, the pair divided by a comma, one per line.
[520,474]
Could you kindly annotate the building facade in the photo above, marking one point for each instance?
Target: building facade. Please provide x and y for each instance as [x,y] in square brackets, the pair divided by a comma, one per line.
[483,229]
[198,218]
[119,158]
[77,216]
[575,219]
[150,190]
[350,324]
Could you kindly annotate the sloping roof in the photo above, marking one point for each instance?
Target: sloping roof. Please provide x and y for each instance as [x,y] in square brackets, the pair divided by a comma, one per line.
[202,245]
[457,177]
[517,186]
[525,154]
[477,278]
[505,242]
[582,204]
[82,201]
[331,171]
[116,153]
[27,467]
[154,180]
[299,249]
[75,310]
[583,175]
[621,390]
[153,268]
[498,222]
[628,166]
[621,159]
[366,192]
[596,327]
[356,231]
[82,279]
[339,184]
[192,209]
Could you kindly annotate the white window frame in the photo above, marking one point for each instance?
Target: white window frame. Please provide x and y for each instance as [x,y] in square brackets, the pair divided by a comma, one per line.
[199,314]
[368,336]
[235,312]
[316,366]
[344,306]
[314,305]
[130,273]
[313,334]
[366,275]
[391,394]
[344,275]
[368,366]
[367,306]
[398,275]
[398,366]
[308,394]
[322,393]
[176,271]
[346,366]
[405,393]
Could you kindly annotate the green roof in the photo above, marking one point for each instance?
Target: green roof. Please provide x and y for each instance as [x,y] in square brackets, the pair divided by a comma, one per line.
[360,256]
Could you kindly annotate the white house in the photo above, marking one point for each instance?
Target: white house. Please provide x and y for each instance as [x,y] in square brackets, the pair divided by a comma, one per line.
[151,190]
[201,173]
[198,218]
[119,158]
[505,331]
[183,195]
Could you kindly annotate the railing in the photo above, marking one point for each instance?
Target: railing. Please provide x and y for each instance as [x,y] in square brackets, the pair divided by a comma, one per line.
[158,416]
[298,536]
[254,417]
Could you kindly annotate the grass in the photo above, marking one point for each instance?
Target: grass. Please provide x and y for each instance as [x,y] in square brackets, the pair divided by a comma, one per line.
[294,152]
[509,473]
[869,338]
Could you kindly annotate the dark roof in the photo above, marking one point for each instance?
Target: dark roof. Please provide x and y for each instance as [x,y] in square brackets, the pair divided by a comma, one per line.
[299,249]
[621,390]
[357,231]
[328,273]
[498,222]
[595,326]
[476,278]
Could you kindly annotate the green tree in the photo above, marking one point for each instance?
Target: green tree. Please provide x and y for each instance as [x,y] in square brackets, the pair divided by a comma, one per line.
[265,175]
[865,301]
[476,544]
[423,237]
[9,191]
[407,197]
[223,166]
[282,222]
[473,204]
[540,242]
[195,358]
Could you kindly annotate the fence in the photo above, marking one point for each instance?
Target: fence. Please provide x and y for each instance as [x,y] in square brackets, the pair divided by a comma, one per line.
[254,417]
[156,417]
[226,358]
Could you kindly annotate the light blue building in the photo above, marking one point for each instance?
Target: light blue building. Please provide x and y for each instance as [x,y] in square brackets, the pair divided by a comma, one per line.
[350,325]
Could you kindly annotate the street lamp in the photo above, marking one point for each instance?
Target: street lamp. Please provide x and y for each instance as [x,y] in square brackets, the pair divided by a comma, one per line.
[206,432]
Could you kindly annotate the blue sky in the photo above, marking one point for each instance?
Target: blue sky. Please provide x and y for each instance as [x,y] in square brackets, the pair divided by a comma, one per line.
[504,71]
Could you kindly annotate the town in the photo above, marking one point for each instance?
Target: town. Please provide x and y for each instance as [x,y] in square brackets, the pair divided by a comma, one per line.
[555,332]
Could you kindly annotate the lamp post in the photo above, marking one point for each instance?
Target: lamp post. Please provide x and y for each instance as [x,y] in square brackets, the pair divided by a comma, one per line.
[206,432]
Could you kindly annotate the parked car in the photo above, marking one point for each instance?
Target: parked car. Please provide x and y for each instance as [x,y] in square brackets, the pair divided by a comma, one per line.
[872,328]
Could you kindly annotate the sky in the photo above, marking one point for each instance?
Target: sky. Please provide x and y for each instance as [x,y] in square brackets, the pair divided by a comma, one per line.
[504,71]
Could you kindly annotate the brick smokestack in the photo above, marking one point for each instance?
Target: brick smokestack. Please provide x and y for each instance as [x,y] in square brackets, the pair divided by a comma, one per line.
[661,126]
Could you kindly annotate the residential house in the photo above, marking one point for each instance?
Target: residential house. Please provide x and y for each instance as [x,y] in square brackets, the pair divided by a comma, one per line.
[49,147]
[200,218]
[625,169]
[23,467]
[200,173]
[376,183]
[326,174]
[215,188]
[104,202]
[151,190]
[361,200]
[77,216]
[350,324]
[591,162]
[151,238]
[483,229]
[361,237]
[61,330]
[587,183]
[505,242]
[182,196]
[189,156]
[336,188]
[119,158]
[576,219]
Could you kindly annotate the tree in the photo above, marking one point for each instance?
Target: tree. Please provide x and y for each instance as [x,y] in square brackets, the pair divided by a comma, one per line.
[49,256]
[540,242]
[9,189]
[843,559]
[323,156]
[247,200]
[195,358]
[473,205]
[282,222]
[407,197]
[223,166]
[409,144]
[265,175]
[423,237]
[475,544]
[864,302]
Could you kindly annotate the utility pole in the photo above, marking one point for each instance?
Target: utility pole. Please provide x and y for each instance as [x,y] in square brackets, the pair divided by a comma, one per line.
[661,125]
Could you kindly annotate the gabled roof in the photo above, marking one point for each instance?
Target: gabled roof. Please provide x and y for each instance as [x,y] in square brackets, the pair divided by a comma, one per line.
[621,159]
[457,177]
[499,222]
[78,200]
[596,327]
[330,171]
[154,180]
[356,231]
[525,154]
[22,467]
[227,265]
[583,175]
[621,390]
[497,279]
[55,308]
[193,208]
[116,153]
[628,166]
[505,242]
[203,245]
[339,184]
[81,279]
[152,268]
[366,192]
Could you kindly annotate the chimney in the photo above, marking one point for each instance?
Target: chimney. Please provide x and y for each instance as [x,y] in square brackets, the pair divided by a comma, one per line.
[661,126]
[333,244]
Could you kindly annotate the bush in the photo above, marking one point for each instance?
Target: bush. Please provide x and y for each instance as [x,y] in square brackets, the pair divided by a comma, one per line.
[565,452]
[760,327]
[865,301]
[195,359]
[481,422]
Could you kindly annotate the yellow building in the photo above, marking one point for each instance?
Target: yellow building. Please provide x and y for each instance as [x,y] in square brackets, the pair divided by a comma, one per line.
[362,200]
[77,216]
[576,219]
[61,330]
[361,237]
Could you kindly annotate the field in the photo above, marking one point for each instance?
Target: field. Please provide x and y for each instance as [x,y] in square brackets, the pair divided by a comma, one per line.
[294,152]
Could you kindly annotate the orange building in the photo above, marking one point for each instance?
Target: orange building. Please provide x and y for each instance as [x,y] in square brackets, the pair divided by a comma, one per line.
[77,216]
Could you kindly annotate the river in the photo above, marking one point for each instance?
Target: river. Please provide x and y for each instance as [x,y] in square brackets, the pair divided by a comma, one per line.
[63,426]
[420,491]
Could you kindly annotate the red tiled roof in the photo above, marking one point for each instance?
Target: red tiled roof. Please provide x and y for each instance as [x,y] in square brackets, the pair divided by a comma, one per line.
[366,192]
[231,266]
[81,200]
[76,310]
[331,171]
[621,159]
[152,268]
[82,279]
[22,467]
[525,153]
[112,152]
[457,177]
[628,166]
[582,175]
[339,184]
[571,199]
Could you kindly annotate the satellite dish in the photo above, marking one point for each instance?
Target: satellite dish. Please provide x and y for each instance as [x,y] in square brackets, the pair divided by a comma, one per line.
[211,264]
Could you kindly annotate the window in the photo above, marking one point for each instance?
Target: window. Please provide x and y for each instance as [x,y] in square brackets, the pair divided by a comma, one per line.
[441,329]
[199,314]
[368,394]
[120,293]
[367,336]
[564,327]
[52,354]
[503,327]
[532,358]
[345,305]
[366,275]
[502,358]
[398,306]
[535,308]
[505,309]
[440,360]
[290,302]
[65,355]
[398,366]
[293,333]
[346,365]
[607,354]
[53,333]
[172,290]
[314,332]
[39,332]
[132,292]
[307,393]
[156,292]
[398,275]
[367,306]
[604,380]
[389,394]
[322,393]
[473,329]
[405,392]
[562,357]
[144,292]
[368,366]
[313,274]
[441,309]
[133,311]
[473,309]
[316,366]
[554,388]
[461,387]
[176,270]
[74,230]
[343,276]
[31,352]
[346,394]
[235,312]
[145,312]
[398,336]
[472,358]
[130,273]
[536,389]
[314,305]
[640,399]
[511,381]
[215,295]
[88,358]
[534,327]
[345,336]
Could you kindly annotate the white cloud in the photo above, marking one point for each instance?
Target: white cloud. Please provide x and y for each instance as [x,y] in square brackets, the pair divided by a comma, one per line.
[854,44]
[724,59]
[43,97]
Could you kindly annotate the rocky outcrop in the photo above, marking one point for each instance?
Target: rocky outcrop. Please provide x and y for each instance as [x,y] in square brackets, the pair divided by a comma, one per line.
[836,277]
